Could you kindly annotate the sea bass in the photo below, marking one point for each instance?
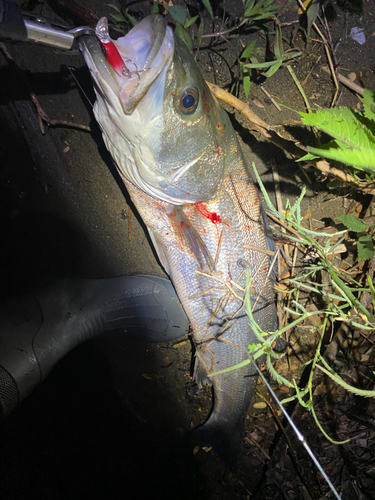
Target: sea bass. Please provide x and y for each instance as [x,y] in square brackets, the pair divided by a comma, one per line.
[180,160]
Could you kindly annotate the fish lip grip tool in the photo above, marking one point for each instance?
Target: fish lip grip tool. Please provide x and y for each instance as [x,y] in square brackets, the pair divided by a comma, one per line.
[15,26]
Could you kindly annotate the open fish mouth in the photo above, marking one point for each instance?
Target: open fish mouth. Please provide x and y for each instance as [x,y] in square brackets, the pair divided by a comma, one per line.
[131,64]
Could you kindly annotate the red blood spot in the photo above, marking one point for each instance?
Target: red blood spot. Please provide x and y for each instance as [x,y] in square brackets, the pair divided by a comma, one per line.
[185,124]
[212,216]
[255,202]
[166,234]
[218,151]
[247,227]
[218,125]
[173,95]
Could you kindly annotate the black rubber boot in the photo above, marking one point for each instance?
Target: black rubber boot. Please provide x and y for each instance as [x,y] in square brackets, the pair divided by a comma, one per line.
[37,330]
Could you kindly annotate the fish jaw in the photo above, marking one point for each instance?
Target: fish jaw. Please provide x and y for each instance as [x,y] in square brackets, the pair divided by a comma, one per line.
[146,51]
[170,155]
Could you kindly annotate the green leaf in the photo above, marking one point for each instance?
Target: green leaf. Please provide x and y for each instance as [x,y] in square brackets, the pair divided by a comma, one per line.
[246,83]
[342,124]
[254,347]
[118,17]
[262,9]
[178,13]
[266,64]
[278,47]
[190,21]
[354,142]
[207,4]
[181,32]
[200,32]
[365,248]
[273,68]
[307,157]
[312,13]
[352,222]
[291,54]
[113,6]
[155,9]
[369,104]
[248,50]
[131,18]
[363,159]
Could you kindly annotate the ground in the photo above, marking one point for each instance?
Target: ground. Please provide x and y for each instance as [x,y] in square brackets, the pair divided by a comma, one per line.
[112,417]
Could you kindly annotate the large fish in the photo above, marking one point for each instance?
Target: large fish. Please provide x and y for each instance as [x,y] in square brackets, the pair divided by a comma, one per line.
[181,163]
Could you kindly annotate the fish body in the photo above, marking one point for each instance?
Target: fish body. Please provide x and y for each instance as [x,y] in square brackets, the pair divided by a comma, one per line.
[181,163]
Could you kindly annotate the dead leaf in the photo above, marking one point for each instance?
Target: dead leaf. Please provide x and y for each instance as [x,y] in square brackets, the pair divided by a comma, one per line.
[207,448]
[284,389]
[147,377]
[66,149]
[285,276]
[365,357]
[180,344]
[352,76]
[258,103]
[320,389]
[260,405]
[280,287]
[358,209]
[283,368]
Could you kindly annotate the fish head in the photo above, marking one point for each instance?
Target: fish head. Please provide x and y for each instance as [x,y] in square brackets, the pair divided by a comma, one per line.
[164,129]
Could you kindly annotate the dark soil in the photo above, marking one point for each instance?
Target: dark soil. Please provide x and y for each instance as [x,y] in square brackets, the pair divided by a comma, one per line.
[112,418]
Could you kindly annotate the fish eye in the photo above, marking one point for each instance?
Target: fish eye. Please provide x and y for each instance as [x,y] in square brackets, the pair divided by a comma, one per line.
[187,100]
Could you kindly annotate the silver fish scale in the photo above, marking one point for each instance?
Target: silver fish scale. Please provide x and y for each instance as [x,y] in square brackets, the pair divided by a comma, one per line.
[213,300]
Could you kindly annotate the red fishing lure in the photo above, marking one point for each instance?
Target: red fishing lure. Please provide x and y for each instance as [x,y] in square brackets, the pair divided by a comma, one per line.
[110,50]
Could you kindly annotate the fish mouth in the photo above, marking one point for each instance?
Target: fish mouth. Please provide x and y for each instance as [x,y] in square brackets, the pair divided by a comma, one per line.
[146,51]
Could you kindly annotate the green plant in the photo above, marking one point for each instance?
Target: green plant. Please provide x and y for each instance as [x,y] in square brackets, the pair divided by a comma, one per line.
[353,134]
[365,245]
[121,19]
[341,296]
[281,55]
[258,10]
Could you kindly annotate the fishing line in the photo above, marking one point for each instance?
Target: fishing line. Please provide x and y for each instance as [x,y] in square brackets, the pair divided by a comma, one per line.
[70,69]
[298,434]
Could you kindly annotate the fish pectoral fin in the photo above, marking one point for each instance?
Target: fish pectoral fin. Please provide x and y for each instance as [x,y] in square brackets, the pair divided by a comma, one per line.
[192,239]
